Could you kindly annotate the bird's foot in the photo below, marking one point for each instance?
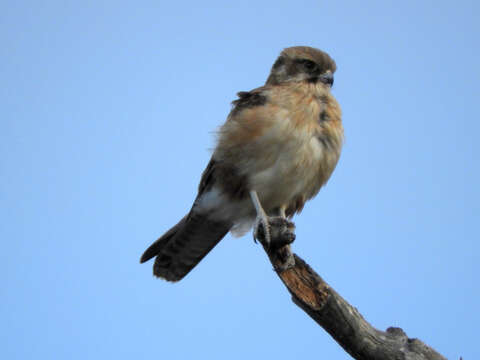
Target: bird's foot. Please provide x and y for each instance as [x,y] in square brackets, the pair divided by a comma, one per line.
[272,232]
[280,232]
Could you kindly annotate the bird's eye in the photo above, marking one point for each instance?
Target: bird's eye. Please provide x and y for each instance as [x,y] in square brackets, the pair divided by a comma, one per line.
[309,65]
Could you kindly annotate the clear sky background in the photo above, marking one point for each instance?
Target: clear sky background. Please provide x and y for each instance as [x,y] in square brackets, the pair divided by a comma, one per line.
[107,115]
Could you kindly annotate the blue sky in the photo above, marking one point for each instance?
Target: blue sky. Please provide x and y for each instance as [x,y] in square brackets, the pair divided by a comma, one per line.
[107,115]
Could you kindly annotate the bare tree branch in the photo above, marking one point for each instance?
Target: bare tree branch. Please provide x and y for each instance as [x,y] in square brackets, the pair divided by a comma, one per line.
[340,319]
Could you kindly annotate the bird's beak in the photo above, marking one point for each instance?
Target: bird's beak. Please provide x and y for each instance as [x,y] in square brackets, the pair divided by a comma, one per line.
[326,78]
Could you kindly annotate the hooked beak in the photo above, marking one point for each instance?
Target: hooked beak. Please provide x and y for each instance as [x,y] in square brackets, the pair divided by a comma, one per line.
[326,78]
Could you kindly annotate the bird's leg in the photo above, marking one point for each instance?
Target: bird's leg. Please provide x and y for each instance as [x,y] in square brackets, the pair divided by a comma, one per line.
[261,226]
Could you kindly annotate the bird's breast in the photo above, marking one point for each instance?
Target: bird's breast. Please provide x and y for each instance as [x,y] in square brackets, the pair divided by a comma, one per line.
[305,156]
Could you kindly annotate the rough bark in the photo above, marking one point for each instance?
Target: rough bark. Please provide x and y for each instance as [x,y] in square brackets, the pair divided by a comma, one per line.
[340,319]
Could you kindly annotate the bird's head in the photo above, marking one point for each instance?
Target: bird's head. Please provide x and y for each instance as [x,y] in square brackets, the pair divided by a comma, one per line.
[302,63]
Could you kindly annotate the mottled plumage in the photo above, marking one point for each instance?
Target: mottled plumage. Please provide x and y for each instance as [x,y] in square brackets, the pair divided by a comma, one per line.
[281,141]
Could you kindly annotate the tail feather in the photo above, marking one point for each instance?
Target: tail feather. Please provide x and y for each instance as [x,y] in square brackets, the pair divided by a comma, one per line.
[181,248]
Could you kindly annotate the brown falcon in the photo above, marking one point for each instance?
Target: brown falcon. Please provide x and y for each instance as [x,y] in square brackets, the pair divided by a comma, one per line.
[277,148]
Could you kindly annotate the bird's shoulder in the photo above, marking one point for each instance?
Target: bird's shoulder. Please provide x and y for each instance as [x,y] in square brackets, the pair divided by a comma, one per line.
[274,97]
[250,99]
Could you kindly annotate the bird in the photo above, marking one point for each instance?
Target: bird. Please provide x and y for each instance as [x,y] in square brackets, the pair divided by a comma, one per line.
[278,146]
